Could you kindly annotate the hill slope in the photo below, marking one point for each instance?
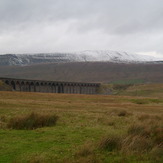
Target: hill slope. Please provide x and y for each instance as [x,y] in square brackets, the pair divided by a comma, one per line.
[86,72]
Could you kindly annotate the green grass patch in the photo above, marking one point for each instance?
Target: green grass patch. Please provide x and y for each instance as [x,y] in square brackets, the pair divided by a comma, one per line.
[129,81]
[146,101]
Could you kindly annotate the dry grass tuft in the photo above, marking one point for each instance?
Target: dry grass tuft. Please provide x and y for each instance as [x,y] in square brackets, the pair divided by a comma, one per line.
[153,132]
[119,112]
[88,159]
[32,121]
[110,143]
[122,113]
[86,154]
[140,138]
[111,123]
[139,130]
[3,120]
[143,138]
[137,144]
[85,150]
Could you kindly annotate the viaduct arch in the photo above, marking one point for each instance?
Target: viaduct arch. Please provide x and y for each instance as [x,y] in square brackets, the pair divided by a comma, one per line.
[25,85]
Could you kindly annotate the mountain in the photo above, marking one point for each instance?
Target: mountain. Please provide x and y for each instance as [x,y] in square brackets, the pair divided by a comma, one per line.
[85,66]
[84,56]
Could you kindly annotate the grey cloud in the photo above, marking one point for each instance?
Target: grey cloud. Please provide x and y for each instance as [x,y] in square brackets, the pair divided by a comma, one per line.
[129,18]
[115,21]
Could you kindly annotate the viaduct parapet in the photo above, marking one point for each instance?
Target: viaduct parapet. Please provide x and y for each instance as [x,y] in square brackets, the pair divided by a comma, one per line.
[26,85]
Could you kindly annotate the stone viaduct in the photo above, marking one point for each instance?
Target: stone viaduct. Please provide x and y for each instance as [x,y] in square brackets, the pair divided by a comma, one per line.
[26,85]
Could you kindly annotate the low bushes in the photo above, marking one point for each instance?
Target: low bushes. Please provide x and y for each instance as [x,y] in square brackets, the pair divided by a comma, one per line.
[32,121]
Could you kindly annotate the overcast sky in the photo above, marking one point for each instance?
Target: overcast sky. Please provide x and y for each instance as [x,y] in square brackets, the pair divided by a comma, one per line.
[32,26]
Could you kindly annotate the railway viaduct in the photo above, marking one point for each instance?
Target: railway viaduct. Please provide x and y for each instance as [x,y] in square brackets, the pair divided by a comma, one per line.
[26,85]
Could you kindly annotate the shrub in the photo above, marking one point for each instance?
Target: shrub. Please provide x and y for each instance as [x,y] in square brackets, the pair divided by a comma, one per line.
[32,121]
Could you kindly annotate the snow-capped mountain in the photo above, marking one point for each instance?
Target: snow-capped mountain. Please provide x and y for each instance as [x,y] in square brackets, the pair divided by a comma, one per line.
[84,56]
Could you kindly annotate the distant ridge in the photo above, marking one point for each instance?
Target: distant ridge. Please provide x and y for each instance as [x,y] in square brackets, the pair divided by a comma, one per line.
[83,56]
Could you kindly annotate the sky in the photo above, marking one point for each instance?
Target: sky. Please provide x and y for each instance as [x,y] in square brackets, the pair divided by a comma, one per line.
[46,26]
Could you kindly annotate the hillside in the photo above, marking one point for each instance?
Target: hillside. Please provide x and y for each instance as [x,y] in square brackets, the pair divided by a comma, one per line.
[87,72]
[83,56]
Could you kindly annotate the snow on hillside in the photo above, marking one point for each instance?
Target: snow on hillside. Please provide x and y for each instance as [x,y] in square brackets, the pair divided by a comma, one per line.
[114,56]
[83,56]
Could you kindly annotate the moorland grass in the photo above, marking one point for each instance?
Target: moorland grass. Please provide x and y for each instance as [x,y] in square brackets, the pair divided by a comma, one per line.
[90,128]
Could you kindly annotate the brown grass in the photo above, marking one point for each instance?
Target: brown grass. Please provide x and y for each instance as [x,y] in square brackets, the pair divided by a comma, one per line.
[32,121]
[119,112]
[144,117]
[88,159]
[140,138]
[86,118]
[85,150]
[110,143]
[138,144]
[143,137]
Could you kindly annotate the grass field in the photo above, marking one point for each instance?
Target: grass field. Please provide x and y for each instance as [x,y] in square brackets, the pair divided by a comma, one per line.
[90,128]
